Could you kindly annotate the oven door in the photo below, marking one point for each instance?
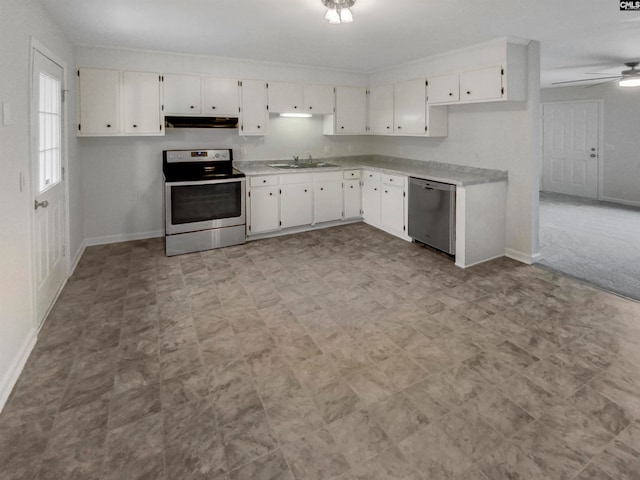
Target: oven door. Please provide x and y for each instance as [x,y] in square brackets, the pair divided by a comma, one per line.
[204,205]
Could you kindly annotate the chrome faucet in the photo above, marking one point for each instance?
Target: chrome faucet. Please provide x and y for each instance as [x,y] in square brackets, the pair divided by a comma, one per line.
[296,158]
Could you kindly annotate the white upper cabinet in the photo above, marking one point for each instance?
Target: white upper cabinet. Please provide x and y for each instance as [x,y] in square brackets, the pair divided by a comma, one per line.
[381,110]
[443,88]
[410,107]
[220,96]
[319,99]
[99,101]
[286,97]
[482,84]
[141,103]
[182,94]
[112,102]
[254,114]
[200,95]
[351,111]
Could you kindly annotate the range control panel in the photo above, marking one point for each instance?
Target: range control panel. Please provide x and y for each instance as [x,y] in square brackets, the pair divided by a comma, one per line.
[176,156]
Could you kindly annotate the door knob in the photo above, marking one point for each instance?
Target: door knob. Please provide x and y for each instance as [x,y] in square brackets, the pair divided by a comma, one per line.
[37,204]
[593,155]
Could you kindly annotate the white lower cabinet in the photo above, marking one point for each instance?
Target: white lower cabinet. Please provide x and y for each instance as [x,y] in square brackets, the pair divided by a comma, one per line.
[371,197]
[352,199]
[296,200]
[392,208]
[264,203]
[328,197]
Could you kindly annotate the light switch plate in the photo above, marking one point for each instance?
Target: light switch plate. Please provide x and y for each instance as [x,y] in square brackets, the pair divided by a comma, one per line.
[6,114]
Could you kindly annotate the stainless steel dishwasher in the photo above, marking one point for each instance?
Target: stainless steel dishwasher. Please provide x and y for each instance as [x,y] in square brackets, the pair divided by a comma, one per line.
[432,214]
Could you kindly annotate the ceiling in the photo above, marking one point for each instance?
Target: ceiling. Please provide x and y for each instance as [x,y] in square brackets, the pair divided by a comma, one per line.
[576,36]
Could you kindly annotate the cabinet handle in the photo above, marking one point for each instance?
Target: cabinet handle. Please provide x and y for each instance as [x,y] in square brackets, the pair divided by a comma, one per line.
[375,189]
[451,94]
[391,179]
[135,126]
[388,128]
[264,181]
[310,108]
[468,92]
[192,106]
[271,193]
[109,125]
[258,126]
[295,107]
[213,108]
[386,191]
[399,127]
[342,127]
[305,190]
[351,186]
[321,188]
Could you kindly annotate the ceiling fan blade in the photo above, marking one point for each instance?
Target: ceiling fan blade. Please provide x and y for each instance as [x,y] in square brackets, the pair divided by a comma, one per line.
[602,83]
[587,80]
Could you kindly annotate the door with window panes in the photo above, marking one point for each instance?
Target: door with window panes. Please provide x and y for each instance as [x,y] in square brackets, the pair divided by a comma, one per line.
[49,219]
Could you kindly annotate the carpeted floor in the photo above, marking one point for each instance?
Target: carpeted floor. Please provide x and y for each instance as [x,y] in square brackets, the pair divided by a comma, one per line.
[595,241]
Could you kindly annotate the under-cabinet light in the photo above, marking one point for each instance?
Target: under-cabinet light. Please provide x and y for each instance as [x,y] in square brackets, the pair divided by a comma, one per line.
[296,115]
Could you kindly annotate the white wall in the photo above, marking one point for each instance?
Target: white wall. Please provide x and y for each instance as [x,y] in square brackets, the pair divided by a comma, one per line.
[122,177]
[19,20]
[500,135]
[620,154]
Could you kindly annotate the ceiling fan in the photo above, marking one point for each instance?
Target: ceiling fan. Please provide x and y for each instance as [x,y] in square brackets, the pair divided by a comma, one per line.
[627,78]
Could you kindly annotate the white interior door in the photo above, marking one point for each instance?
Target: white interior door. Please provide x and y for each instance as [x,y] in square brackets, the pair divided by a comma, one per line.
[570,148]
[49,219]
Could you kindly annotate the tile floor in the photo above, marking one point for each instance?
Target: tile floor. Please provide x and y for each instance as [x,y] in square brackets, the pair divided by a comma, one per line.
[343,353]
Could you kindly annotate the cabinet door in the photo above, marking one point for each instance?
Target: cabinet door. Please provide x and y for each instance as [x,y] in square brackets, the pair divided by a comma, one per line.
[221,97]
[141,103]
[371,197]
[443,88]
[296,205]
[285,97]
[410,107]
[182,94]
[319,99]
[381,110]
[254,108]
[264,209]
[481,84]
[351,110]
[352,199]
[99,101]
[392,208]
[328,201]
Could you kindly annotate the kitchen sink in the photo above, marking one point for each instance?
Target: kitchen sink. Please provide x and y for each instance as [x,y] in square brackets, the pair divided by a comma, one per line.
[294,166]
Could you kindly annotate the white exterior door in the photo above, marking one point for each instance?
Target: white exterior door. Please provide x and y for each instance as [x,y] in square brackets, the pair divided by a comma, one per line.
[49,219]
[570,148]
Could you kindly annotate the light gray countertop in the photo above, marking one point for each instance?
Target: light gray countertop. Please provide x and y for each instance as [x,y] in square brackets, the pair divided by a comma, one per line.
[436,171]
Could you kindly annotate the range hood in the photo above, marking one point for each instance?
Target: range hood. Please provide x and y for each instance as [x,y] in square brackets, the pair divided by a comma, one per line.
[200,122]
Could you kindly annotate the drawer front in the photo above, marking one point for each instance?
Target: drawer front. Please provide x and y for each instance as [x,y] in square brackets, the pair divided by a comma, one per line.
[328,176]
[393,180]
[263,180]
[296,178]
[370,177]
[351,174]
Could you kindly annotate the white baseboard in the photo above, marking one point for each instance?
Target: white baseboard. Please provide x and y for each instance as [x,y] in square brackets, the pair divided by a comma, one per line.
[123,238]
[11,376]
[76,258]
[620,201]
[522,257]
[479,261]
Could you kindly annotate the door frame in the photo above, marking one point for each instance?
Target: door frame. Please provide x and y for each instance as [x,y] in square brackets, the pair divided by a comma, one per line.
[600,103]
[36,45]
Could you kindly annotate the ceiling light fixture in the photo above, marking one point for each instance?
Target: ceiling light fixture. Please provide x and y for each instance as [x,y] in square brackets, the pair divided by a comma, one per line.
[630,82]
[338,11]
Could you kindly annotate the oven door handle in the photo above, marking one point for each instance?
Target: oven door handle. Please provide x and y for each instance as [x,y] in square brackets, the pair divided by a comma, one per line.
[206,182]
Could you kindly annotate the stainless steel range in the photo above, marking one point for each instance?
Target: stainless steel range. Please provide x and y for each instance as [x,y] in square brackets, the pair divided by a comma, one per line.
[204,200]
